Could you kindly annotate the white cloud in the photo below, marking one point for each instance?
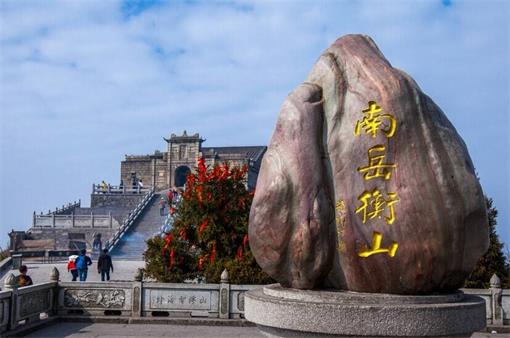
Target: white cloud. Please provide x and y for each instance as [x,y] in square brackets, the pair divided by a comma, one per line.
[81,84]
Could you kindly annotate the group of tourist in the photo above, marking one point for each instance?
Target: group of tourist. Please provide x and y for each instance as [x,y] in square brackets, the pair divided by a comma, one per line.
[136,184]
[171,199]
[78,266]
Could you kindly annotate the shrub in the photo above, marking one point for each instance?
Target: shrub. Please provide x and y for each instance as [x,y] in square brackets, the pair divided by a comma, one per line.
[209,233]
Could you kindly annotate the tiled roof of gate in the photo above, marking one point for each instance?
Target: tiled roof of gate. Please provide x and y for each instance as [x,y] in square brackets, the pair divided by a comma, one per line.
[252,152]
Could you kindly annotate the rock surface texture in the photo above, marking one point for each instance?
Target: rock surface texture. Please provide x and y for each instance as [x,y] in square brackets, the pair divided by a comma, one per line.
[366,185]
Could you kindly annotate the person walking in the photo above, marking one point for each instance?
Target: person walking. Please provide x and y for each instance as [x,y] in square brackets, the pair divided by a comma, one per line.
[23,279]
[71,267]
[162,205]
[82,264]
[104,264]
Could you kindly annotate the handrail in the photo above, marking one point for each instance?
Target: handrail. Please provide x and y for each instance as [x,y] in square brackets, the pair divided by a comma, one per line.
[65,208]
[70,221]
[133,216]
[98,189]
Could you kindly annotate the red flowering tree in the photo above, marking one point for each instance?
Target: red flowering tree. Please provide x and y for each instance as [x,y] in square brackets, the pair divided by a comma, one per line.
[210,231]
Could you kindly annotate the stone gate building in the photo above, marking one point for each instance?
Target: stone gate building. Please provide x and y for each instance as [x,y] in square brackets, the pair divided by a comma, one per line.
[163,170]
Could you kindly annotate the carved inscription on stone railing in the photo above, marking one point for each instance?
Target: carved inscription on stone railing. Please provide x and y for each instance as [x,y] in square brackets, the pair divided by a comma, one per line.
[33,303]
[224,300]
[94,298]
[240,301]
[136,298]
[180,299]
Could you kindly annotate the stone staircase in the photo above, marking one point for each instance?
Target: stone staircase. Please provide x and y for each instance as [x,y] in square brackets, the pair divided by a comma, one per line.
[132,245]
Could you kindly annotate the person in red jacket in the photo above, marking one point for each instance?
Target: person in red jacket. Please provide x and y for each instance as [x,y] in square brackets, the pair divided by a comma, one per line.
[71,267]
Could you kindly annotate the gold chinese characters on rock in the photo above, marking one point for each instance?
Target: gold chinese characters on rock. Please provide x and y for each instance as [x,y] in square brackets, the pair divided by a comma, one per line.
[376,204]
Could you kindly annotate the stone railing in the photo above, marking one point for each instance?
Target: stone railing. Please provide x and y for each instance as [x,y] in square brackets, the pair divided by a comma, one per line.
[128,222]
[45,256]
[73,221]
[5,265]
[114,189]
[21,308]
[28,306]
[66,208]
[497,302]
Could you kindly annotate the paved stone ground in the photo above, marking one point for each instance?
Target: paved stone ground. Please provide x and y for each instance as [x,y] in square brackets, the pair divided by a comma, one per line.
[100,330]
[40,273]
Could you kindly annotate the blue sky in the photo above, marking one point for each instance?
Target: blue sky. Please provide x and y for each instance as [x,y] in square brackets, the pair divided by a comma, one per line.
[84,82]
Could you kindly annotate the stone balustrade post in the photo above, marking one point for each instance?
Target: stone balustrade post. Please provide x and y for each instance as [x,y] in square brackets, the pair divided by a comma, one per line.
[137,302]
[496,300]
[10,285]
[224,295]
[55,277]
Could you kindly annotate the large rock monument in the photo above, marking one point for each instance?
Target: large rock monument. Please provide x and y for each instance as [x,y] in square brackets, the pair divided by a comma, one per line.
[367,188]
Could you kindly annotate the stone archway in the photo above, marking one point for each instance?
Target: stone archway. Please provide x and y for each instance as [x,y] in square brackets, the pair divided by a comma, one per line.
[180,175]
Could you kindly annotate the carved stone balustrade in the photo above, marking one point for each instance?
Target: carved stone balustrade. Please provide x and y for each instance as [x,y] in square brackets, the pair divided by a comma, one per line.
[22,308]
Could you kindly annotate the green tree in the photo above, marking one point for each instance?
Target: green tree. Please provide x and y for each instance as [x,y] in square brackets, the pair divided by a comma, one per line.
[494,260]
[209,233]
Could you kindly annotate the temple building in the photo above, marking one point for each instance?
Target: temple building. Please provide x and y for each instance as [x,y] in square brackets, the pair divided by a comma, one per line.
[114,210]
[163,170]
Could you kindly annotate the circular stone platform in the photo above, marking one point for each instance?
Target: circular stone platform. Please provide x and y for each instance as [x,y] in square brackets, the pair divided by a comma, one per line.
[281,312]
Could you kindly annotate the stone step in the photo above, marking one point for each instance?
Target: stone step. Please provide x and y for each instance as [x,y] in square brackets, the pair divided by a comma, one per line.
[132,245]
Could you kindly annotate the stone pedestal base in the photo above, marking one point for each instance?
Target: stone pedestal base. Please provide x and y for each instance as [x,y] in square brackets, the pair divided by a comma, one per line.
[281,312]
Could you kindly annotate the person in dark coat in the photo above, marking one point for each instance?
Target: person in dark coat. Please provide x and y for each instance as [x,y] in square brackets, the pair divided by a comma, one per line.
[104,264]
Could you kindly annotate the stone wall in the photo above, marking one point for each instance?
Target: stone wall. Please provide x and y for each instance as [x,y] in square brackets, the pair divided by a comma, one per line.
[182,151]
[140,165]
[159,169]
[151,169]
[64,237]
[160,179]
[124,201]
